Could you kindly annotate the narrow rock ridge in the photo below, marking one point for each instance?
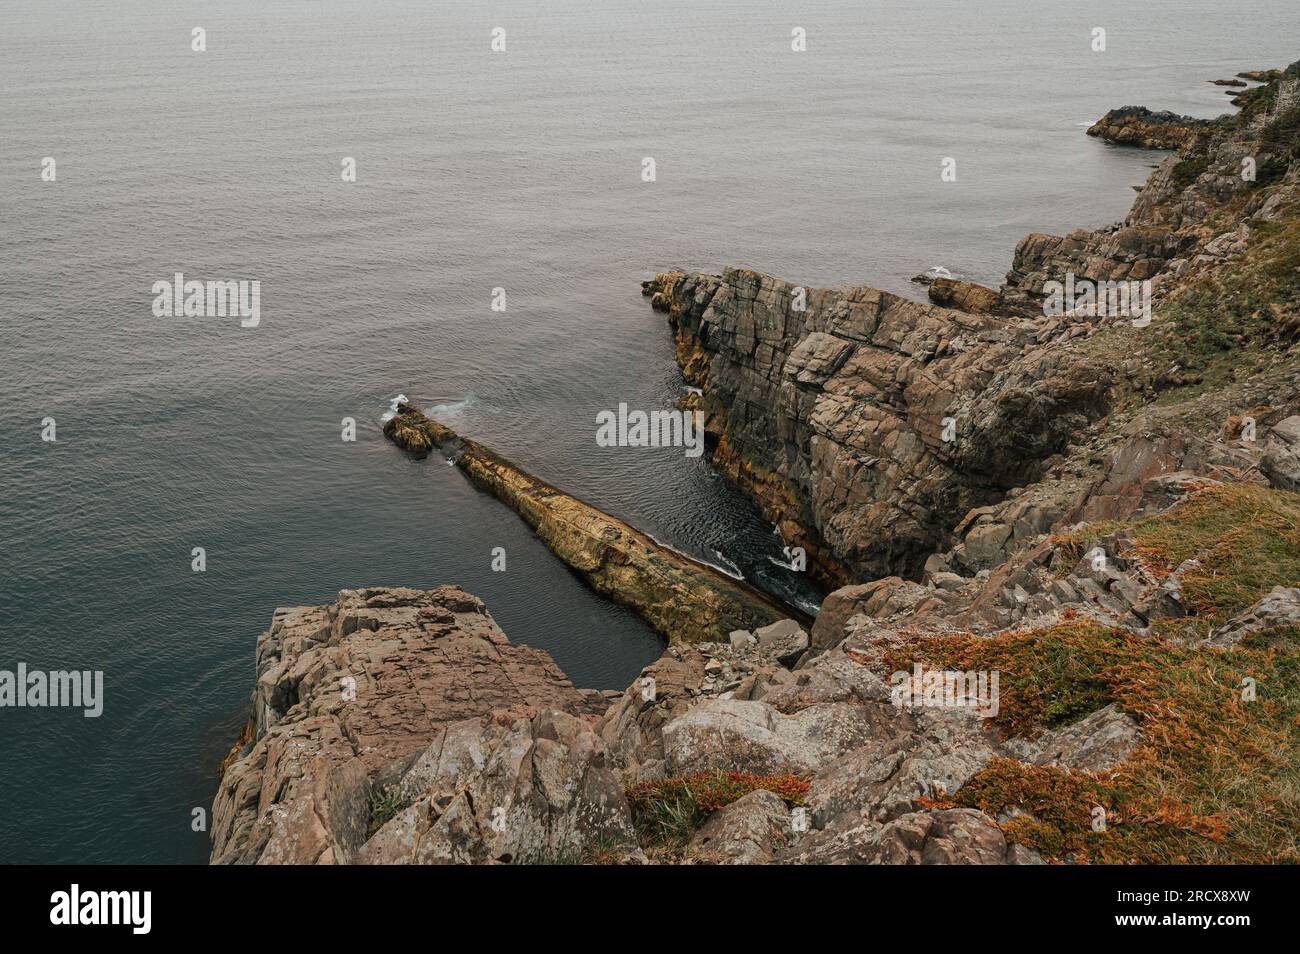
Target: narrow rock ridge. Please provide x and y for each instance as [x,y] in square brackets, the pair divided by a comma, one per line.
[684,600]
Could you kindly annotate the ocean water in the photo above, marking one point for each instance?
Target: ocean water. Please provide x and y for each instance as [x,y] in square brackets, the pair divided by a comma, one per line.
[475,170]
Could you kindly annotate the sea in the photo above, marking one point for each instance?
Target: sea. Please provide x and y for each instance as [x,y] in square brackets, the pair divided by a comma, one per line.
[806,140]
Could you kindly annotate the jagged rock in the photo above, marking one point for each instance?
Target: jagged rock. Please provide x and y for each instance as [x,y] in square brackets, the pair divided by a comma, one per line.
[545,793]
[964,296]
[914,754]
[349,697]
[1280,462]
[948,581]
[1163,491]
[749,831]
[632,729]
[984,545]
[742,639]
[1280,608]
[785,640]
[1096,743]
[752,736]
[953,836]
[1138,126]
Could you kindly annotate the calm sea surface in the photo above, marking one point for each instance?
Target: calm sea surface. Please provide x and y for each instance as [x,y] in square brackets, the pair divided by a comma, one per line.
[475,171]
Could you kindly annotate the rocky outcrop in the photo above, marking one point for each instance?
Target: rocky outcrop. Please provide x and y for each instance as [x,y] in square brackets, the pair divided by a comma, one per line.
[1194,213]
[1279,610]
[953,836]
[1003,496]
[1280,462]
[965,296]
[684,600]
[1139,126]
[388,693]
[454,746]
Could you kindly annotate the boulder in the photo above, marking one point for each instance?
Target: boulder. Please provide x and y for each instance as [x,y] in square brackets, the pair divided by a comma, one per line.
[958,836]
[751,736]
[1280,462]
[785,640]
[749,831]
[1278,609]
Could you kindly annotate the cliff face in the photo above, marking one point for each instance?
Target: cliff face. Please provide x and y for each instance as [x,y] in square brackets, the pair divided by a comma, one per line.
[866,425]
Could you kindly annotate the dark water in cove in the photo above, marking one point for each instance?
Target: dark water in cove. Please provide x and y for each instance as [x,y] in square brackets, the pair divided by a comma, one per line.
[474,171]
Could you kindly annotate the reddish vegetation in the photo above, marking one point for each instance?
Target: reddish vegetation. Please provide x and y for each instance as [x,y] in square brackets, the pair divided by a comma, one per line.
[711,791]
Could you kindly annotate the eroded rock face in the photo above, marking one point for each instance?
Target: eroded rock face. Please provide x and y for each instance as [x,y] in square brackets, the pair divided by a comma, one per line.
[387,688]
[1281,459]
[866,424]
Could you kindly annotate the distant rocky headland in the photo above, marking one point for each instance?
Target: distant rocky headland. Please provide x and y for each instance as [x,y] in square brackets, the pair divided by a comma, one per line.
[1064,550]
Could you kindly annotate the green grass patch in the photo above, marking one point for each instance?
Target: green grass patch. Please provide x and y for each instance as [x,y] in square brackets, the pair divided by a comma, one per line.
[384,807]
[1214,328]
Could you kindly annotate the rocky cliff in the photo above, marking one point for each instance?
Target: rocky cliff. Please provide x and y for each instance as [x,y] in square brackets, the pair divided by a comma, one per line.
[1068,628]
[386,695]
[869,426]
